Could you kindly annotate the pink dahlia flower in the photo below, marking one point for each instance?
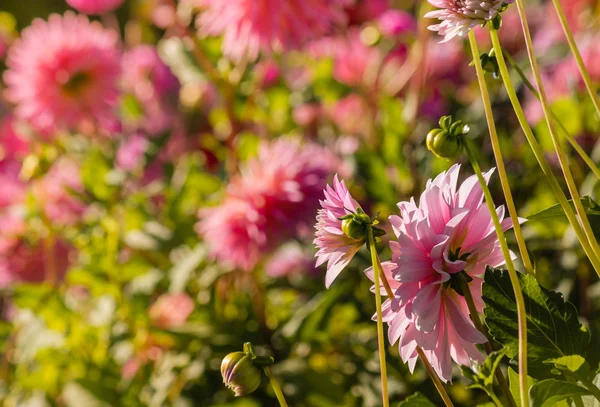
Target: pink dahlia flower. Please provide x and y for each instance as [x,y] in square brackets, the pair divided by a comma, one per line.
[396,22]
[334,246]
[94,6]
[448,232]
[274,197]
[289,261]
[63,73]
[171,310]
[152,88]
[251,27]
[458,17]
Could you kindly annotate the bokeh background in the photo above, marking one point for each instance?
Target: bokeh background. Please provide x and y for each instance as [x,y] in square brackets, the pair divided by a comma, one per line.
[142,255]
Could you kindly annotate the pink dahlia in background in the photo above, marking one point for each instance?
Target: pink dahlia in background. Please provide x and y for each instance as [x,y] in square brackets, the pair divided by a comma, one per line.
[63,73]
[458,17]
[448,232]
[396,22]
[94,6]
[251,27]
[273,198]
[151,91]
[291,260]
[334,246]
[171,310]
[13,144]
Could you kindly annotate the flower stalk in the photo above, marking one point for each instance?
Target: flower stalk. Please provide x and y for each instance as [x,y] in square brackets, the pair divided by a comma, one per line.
[512,272]
[498,156]
[276,387]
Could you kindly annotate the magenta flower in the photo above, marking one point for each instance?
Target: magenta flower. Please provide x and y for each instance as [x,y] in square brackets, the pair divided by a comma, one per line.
[63,73]
[335,247]
[251,27]
[273,198]
[458,17]
[94,6]
[449,232]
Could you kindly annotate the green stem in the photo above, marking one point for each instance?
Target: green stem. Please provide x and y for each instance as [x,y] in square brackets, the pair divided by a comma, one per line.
[584,156]
[498,156]
[377,274]
[434,377]
[514,279]
[466,291]
[276,387]
[562,157]
[573,45]
[592,388]
[539,154]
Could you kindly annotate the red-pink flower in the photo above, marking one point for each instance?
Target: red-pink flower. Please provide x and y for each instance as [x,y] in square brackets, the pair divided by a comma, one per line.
[273,198]
[94,6]
[251,27]
[63,73]
[171,310]
[335,247]
[448,232]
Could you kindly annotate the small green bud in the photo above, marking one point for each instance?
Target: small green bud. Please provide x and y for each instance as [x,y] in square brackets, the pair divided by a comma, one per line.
[443,145]
[354,228]
[240,374]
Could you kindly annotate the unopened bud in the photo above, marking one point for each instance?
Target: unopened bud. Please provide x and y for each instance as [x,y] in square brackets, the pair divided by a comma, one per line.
[240,374]
[446,141]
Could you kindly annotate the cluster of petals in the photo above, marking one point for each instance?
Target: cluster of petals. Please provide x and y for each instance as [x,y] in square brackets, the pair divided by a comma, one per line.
[334,246]
[252,27]
[275,196]
[94,6]
[458,17]
[171,310]
[64,73]
[448,232]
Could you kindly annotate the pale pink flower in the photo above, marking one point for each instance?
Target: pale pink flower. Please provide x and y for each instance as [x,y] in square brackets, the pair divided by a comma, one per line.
[396,22]
[290,260]
[252,27]
[334,246]
[63,73]
[171,310]
[151,88]
[131,153]
[449,231]
[273,198]
[458,17]
[94,6]
[351,115]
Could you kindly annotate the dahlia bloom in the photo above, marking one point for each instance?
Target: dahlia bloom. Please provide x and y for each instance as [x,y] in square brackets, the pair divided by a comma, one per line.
[251,27]
[63,73]
[334,246]
[290,260]
[171,310]
[448,232]
[396,22]
[94,6]
[153,88]
[274,197]
[458,17]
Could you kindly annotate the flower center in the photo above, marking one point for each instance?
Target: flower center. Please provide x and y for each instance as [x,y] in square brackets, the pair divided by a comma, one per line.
[76,83]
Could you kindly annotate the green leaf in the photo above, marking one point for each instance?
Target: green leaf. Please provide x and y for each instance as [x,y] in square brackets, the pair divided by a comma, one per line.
[416,400]
[590,207]
[513,383]
[573,365]
[549,392]
[94,174]
[553,328]
[484,378]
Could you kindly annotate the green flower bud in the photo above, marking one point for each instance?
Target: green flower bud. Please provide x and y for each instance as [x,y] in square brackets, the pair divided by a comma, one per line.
[443,145]
[354,228]
[240,374]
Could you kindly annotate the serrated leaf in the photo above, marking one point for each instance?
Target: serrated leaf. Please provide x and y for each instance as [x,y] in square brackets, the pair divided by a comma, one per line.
[590,207]
[549,392]
[513,384]
[553,328]
[416,400]
[484,378]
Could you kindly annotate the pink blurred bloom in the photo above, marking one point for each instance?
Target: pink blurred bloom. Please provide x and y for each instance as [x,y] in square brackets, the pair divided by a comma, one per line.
[458,17]
[171,310]
[351,115]
[361,11]
[12,190]
[153,86]
[13,145]
[63,72]
[131,153]
[396,22]
[251,27]
[274,197]
[307,114]
[290,260]
[334,246]
[450,231]
[94,6]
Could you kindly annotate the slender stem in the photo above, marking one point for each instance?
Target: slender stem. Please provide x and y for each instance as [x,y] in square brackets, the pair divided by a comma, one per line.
[575,50]
[514,279]
[584,156]
[592,388]
[434,377]
[377,273]
[539,154]
[498,156]
[466,291]
[276,387]
[562,157]
[496,400]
